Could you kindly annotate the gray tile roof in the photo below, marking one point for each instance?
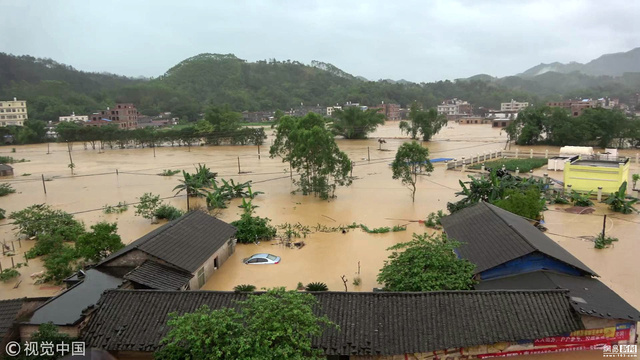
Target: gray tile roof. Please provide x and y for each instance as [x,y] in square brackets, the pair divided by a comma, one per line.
[9,310]
[186,242]
[158,276]
[5,167]
[492,236]
[370,323]
[588,296]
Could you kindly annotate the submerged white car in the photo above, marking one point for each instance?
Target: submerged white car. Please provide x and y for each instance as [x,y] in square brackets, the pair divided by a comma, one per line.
[262,259]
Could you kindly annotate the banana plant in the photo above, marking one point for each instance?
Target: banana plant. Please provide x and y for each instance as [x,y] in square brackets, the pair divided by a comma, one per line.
[618,202]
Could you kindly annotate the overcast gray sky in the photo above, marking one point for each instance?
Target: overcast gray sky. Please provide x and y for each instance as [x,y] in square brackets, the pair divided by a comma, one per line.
[415,40]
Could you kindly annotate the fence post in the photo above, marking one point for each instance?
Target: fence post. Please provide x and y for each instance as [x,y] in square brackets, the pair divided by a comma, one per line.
[43,185]
[530,173]
[368,154]
[483,168]
[517,151]
[599,193]
[637,158]
[517,170]
[258,151]
[239,172]
[531,154]
[546,154]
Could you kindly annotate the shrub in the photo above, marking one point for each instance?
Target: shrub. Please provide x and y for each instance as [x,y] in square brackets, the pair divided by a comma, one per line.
[357,281]
[524,165]
[45,244]
[10,160]
[59,264]
[559,199]
[527,204]
[42,219]
[100,242]
[244,288]
[252,228]
[316,286]
[300,286]
[168,212]
[8,274]
[2,212]
[603,242]
[433,219]
[115,209]
[6,189]
[618,201]
[579,199]
[148,205]
[168,172]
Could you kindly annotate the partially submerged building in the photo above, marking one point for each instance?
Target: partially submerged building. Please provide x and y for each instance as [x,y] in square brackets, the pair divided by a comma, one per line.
[11,313]
[461,324]
[511,254]
[180,255]
[589,173]
[6,170]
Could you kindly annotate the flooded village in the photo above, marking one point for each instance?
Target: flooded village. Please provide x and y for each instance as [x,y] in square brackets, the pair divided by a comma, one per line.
[312,180]
[336,258]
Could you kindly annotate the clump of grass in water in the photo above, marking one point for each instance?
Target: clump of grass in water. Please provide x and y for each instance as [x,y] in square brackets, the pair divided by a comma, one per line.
[603,242]
[6,189]
[11,160]
[169,172]
[115,209]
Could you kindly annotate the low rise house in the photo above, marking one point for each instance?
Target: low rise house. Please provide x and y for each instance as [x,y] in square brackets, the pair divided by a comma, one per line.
[11,313]
[180,255]
[74,118]
[454,109]
[6,170]
[123,115]
[511,254]
[130,324]
[513,106]
[588,173]
[475,120]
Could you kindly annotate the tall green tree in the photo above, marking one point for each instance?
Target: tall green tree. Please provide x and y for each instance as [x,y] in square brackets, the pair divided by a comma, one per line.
[410,160]
[311,150]
[278,324]
[354,123]
[426,123]
[426,263]
[100,242]
[223,119]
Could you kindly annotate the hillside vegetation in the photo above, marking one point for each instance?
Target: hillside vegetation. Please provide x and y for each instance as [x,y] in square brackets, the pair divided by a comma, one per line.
[54,89]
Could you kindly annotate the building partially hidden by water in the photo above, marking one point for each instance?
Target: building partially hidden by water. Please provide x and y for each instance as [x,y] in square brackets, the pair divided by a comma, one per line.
[511,254]
[6,170]
[588,173]
[180,255]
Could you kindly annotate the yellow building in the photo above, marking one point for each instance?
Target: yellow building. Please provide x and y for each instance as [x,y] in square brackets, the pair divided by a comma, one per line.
[13,112]
[587,175]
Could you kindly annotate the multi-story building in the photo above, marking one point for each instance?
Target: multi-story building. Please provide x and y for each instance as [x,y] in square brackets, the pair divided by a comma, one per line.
[74,118]
[390,111]
[331,109]
[513,106]
[455,108]
[124,115]
[13,112]
[575,107]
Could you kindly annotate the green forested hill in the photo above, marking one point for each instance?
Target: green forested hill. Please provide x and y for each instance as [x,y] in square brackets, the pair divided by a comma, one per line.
[54,89]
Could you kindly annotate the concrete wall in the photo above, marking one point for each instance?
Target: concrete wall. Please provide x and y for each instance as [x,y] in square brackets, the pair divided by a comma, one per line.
[588,178]
[131,259]
[222,254]
[27,330]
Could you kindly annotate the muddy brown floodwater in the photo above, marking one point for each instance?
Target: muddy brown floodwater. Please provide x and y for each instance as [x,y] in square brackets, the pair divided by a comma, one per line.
[374,199]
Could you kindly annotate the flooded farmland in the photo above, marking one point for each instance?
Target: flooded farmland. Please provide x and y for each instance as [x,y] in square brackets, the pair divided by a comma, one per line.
[374,199]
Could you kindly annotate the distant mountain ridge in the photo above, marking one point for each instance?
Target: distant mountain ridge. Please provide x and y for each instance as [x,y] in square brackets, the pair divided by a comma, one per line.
[616,64]
[188,88]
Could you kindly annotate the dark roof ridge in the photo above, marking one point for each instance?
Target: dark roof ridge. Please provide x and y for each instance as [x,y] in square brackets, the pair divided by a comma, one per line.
[357,293]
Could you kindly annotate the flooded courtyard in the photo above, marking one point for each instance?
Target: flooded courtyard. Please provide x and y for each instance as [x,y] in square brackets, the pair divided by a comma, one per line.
[374,199]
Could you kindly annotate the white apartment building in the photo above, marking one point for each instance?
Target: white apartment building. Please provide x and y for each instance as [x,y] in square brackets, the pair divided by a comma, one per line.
[513,106]
[13,112]
[73,117]
[454,107]
[331,109]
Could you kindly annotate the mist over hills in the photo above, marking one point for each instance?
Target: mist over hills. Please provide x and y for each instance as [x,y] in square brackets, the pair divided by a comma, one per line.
[608,65]
[186,89]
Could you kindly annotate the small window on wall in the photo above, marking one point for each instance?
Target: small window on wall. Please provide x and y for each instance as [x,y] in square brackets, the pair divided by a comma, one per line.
[201,277]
